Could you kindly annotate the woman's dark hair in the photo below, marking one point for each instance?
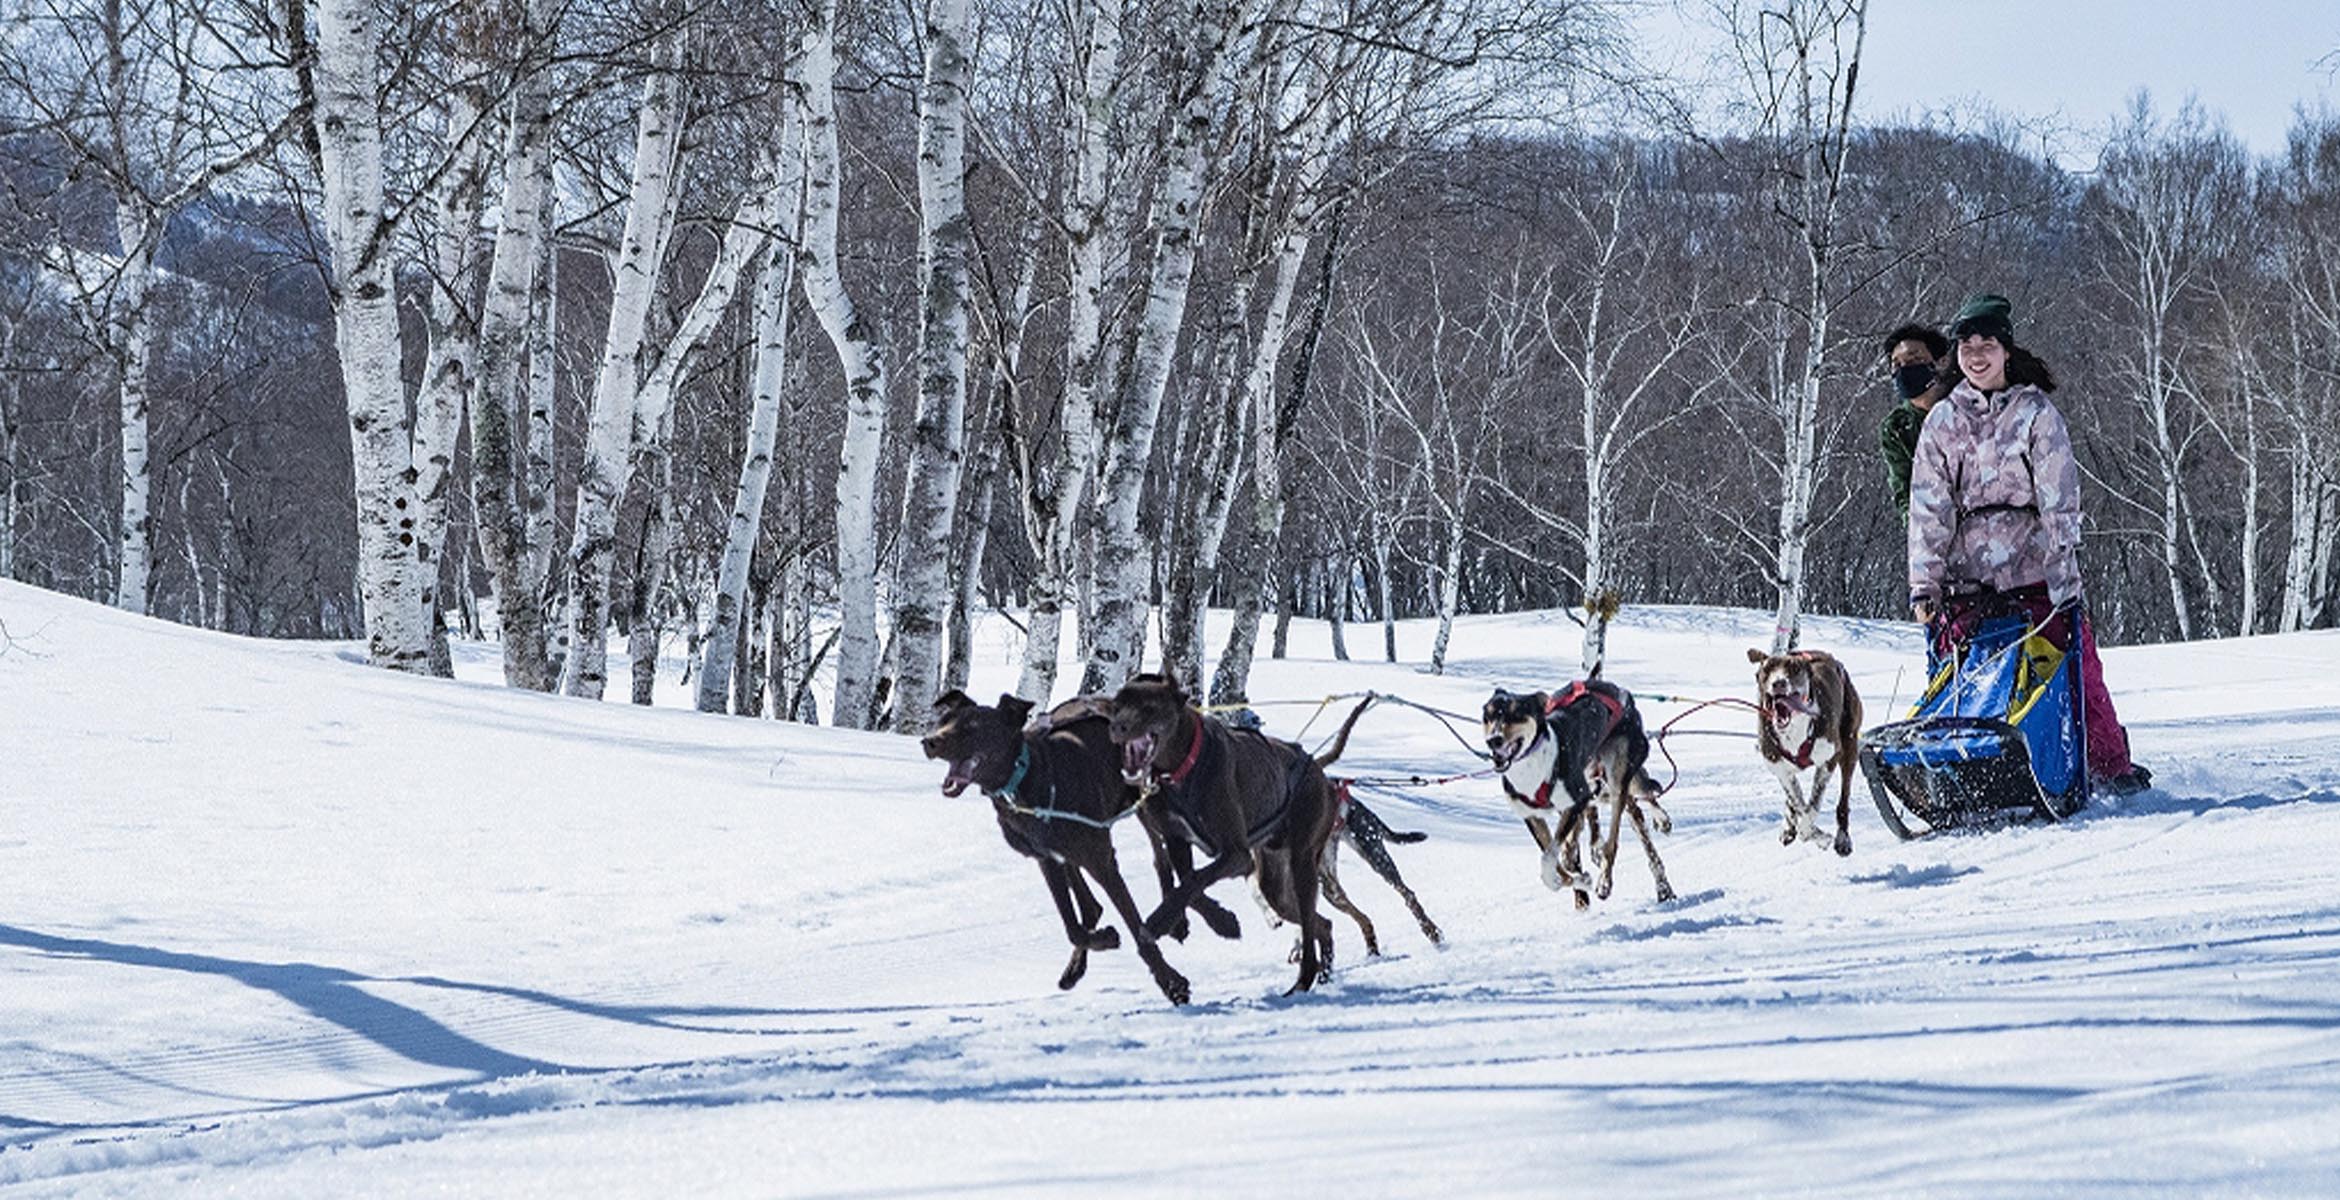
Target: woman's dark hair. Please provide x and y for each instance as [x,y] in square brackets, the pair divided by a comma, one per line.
[1935,343]
[2025,367]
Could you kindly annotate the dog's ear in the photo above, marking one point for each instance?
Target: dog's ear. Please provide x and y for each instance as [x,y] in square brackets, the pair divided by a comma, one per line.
[1595,677]
[1757,656]
[950,702]
[1015,708]
[1542,701]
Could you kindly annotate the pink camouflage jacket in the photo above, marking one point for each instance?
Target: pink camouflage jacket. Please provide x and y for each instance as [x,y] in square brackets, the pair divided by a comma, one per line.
[1994,497]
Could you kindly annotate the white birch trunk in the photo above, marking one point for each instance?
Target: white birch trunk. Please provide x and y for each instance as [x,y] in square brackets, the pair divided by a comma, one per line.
[938,439]
[1052,511]
[863,363]
[720,648]
[11,471]
[538,477]
[1449,589]
[1117,645]
[448,364]
[602,475]
[134,344]
[390,570]
[1230,683]
[516,309]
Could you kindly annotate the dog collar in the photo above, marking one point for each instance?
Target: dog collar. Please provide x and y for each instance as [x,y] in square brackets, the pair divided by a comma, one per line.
[1015,779]
[1177,778]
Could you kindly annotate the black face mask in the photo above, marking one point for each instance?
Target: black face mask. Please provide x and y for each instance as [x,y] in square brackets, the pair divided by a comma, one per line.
[1913,379]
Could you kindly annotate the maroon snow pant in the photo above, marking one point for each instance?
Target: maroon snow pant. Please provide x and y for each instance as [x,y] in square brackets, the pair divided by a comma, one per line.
[2108,742]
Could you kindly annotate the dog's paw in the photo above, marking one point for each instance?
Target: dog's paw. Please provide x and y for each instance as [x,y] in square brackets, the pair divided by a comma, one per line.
[1073,971]
[1104,937]
[1602,891]
[1843,844]
[1161,922]
[1174,986]
[1222,921]
[1178,929]
[1553,879]
[1787,836]
[1583,901]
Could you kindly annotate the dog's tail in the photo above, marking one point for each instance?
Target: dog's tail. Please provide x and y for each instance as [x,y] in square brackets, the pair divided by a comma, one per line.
[1340,740]
[1364,821]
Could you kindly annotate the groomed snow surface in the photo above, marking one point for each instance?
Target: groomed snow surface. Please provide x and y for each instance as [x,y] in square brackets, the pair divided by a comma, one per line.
[273,923]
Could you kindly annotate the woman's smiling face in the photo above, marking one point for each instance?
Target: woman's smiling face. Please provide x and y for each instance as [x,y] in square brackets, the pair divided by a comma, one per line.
[1984,361]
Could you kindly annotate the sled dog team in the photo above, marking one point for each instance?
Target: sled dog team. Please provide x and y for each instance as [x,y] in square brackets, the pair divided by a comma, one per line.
[1217,800]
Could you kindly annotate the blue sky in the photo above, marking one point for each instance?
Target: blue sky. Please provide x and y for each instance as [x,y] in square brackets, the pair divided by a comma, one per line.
[2079,61]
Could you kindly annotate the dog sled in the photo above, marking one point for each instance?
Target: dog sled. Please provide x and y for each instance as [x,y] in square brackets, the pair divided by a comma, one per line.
[1998,733]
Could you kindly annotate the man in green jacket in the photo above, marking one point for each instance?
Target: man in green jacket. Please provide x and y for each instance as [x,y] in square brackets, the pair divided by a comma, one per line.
[1923,373]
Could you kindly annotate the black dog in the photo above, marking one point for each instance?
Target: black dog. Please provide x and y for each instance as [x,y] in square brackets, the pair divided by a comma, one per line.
[1588,742]
[1255,805]
[1057,792]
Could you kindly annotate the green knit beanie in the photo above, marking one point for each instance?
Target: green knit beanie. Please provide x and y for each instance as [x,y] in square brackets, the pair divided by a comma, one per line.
[1987,313]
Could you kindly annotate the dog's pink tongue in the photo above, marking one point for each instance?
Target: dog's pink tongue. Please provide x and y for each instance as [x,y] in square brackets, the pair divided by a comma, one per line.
[1135,754]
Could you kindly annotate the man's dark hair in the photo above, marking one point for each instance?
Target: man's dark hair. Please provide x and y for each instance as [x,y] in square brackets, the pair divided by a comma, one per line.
[1935,343]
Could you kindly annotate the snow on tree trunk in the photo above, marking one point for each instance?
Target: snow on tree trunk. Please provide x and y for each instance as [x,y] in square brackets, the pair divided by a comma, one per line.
[863,364]
[504,496]
[602,475]
[348,122]
[769,323]
[1117,643]
[937,440]
[1052,506]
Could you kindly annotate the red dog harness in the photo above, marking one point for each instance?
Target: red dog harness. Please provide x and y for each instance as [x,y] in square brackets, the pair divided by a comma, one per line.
[1576,691]
[1803,757]
[1177,778]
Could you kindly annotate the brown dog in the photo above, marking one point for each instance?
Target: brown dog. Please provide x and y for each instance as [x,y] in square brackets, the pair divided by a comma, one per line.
[1057,792]
[1254,805]
[1811,718]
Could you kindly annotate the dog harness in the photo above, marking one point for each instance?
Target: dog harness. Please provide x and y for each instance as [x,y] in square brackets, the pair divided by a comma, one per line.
[1177,778]
[1803,755]
[1007,798]
[1576,691]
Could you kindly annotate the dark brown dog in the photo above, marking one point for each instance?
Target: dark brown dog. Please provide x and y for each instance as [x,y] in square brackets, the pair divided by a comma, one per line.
[1057,792]
[1811,718]
[1254,805]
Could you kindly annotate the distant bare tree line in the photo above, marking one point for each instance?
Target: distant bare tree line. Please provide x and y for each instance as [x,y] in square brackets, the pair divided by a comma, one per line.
[793,332]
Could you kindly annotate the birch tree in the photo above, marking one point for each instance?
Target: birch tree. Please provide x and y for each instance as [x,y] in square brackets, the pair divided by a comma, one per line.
[1051,491]
[863,362]
[1800,63]
[504,383]
[769,326]
[635,267]
[1214,47]
[151,98]
[2166,203]
[937,443]
[341,94]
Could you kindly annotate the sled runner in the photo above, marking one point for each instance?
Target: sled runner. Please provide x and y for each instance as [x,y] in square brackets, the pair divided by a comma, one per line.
[1998,732]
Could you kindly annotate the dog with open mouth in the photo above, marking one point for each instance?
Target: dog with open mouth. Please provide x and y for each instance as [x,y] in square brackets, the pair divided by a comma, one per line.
[1251,804]
[1057,791]
[1582,745]
[1810,718]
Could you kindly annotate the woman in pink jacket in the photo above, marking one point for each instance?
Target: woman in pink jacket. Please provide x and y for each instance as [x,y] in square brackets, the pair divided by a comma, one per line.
[1994,515]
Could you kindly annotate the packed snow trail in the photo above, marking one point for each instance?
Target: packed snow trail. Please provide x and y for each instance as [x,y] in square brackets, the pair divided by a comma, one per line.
[276,923]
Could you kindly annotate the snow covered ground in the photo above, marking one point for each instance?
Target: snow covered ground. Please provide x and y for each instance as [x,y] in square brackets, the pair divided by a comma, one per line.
[272,923]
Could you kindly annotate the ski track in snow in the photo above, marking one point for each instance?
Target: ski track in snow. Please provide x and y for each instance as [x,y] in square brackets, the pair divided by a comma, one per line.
[278,924]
